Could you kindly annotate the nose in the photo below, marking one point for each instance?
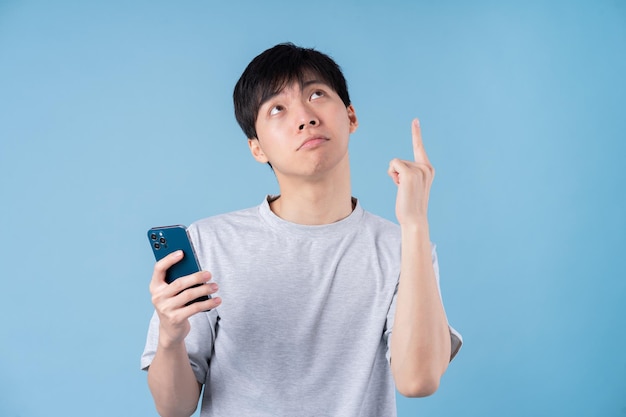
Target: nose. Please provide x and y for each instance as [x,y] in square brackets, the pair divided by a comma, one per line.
[311,122]
[305,115]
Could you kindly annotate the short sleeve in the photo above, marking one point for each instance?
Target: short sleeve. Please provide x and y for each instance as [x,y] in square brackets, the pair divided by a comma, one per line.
[456,340]
[199,342]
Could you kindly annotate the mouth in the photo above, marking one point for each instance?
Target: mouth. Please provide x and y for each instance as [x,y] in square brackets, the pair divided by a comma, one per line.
[312,142]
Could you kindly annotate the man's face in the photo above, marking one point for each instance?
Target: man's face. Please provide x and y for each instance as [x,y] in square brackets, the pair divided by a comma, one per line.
[303,131]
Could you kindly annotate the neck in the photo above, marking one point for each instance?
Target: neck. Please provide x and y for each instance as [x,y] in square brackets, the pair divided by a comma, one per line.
[314,202]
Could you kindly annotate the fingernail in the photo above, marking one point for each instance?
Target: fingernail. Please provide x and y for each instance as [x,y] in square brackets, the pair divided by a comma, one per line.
[417,122]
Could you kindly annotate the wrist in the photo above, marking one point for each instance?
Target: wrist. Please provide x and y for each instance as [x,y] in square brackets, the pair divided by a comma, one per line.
[169,343]
[416,226]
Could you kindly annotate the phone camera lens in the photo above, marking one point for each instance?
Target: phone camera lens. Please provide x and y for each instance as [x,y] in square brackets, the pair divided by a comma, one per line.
[153,236]
[162,240]
[157,245]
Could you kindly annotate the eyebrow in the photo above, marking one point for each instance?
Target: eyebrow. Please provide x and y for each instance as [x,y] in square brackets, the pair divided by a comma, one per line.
[310,82]
[303,85]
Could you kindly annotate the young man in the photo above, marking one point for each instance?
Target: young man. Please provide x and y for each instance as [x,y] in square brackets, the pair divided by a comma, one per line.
[327,309]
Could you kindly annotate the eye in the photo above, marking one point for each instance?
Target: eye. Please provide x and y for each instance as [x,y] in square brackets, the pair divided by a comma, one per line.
[276,109]
[317,94]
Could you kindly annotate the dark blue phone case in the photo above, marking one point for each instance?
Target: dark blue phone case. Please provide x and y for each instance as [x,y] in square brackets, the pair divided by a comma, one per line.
[167,239]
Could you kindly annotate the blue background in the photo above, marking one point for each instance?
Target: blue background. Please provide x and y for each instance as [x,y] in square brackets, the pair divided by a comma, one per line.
[117,116]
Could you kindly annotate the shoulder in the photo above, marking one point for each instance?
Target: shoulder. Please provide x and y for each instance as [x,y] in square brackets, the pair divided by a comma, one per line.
[226,225]
[382,233]
[380,226]
[232,217]
[387,230]
[227,230]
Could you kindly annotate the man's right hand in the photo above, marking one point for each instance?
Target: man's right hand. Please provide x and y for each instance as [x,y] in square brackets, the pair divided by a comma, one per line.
[170,299]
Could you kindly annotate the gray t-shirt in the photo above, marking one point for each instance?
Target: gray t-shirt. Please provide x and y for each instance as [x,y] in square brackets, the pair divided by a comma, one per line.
[306,316]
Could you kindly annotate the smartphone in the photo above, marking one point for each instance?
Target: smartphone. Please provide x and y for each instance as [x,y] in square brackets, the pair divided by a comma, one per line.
[167,239]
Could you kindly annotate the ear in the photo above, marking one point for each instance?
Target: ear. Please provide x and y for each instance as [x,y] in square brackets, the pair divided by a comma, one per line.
[257,151]
[354,122]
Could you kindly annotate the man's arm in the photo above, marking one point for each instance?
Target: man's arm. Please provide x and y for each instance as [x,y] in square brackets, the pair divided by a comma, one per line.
[420,338]
[170,377]
[172,382]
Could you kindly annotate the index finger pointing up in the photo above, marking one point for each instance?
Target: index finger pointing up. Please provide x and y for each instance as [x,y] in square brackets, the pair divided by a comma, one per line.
[419,152]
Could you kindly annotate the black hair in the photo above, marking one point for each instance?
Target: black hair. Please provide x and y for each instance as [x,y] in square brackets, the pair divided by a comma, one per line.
[272,70]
